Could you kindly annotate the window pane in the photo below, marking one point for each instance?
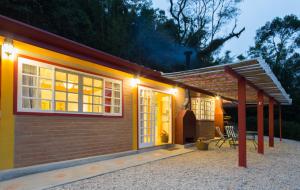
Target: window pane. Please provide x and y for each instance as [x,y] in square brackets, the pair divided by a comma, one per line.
[73,107]
[60,106]
[87,81]
[98,83]
[116,109]
[45,73]
[30,103]
[45,83]
[117,94]
[60,96]
[29,92]
[98,108]
[87,99]
[72,97]
[87,90]
[61,86]
[87,108]
[97,91]
[108,85]
[117,102]
[107,101]
[97,100]
[72,88]
[29,69]
[108,93]
[45,105]
[29,80]
[73,78]
[107,109]
[116,86]
[46,94]
[60,76]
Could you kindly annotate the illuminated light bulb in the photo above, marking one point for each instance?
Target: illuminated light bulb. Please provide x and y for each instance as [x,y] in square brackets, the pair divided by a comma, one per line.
[135,82]
[8,46]
[173,91]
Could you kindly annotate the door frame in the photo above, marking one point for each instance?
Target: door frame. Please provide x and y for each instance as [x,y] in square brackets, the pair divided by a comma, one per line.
[139,86]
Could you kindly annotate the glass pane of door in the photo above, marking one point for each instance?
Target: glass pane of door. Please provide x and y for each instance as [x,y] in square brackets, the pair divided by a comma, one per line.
[147,113]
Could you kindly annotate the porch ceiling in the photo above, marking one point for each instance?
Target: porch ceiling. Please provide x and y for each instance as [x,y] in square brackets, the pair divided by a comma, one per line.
[222,80]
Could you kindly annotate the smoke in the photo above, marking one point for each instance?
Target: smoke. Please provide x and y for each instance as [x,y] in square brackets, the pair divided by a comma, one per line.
[160,50]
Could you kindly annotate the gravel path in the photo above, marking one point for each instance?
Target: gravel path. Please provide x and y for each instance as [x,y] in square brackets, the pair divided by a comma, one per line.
[279,168]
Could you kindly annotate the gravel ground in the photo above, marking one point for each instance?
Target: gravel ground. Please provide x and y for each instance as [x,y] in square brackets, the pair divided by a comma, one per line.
[279,168]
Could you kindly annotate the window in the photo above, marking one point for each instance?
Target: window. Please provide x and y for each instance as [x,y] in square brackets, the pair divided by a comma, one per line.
[48,88]
[92,95]
[112,97]
[36,87]
[203,108]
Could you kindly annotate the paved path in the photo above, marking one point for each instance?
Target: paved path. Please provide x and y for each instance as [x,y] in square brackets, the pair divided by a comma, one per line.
[67,175]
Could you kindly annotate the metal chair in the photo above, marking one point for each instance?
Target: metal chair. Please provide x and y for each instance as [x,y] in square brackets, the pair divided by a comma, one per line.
[222,137]
[232,135]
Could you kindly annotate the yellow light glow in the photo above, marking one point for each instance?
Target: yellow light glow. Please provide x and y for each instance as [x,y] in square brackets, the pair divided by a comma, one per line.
[217,97]
[8,46]
[135,82]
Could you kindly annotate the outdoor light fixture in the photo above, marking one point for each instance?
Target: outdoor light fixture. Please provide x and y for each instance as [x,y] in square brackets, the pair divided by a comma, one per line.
[218,97]
[8,46]
[173,91]
[135,81]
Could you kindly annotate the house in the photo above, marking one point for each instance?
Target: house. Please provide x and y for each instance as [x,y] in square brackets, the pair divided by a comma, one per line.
[61,100]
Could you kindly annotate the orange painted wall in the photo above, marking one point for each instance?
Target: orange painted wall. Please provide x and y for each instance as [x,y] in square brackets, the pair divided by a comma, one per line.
[219,114]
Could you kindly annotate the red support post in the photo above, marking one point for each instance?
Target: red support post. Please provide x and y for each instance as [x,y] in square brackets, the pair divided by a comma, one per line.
[260,121]
[242,121]
[280,123]
[271,122]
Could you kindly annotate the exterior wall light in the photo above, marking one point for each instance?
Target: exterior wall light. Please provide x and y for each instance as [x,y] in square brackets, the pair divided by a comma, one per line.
[217,97]
[8,47]
[173,91]
[135,81]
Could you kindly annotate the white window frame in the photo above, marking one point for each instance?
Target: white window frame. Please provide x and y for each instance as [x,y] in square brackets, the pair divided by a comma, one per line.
[201,110]
[80,74]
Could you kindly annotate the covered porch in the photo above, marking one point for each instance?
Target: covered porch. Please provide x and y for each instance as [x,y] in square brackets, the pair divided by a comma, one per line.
[249,82]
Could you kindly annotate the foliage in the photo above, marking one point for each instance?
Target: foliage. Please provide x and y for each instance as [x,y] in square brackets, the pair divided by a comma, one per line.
[131,29]
[278,42]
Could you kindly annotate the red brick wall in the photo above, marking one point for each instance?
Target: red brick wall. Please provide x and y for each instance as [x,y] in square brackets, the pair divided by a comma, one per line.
[44,139]
[205,129]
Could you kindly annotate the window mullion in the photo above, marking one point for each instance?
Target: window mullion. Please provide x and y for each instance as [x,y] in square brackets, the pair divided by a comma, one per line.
[53,90]
[80,93]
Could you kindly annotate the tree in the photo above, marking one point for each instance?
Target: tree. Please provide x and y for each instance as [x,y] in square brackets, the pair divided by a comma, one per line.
[278,42]
[199,24]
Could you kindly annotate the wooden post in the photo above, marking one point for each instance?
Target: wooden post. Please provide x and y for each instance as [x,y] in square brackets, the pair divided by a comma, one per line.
[271,122]
[280,123]
[242,121]
[260,121]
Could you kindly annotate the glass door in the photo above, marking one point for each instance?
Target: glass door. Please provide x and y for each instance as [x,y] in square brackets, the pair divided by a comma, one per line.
[147,117]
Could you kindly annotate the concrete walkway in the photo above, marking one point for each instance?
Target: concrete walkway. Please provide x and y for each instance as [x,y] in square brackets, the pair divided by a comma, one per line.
[67,175]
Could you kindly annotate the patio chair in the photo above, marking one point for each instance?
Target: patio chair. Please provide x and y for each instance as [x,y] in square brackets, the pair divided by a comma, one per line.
[232,135]
[222,137]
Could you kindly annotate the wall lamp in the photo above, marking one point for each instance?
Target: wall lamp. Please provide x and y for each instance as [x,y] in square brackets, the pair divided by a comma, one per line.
[8,46]
[135,81]
[173,91]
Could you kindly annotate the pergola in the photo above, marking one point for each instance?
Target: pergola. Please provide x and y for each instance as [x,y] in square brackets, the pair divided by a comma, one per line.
[247,82]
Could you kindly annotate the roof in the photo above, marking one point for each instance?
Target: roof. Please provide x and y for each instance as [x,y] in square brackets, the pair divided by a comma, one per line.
[222,80]
[215,80]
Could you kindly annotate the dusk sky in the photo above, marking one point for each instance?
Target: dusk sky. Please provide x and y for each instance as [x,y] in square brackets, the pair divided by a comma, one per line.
[253,15]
